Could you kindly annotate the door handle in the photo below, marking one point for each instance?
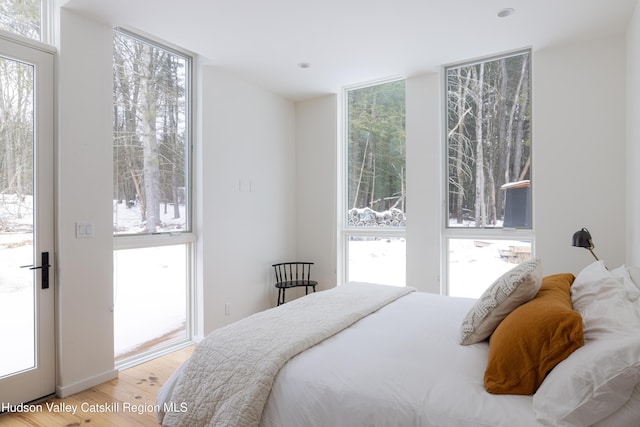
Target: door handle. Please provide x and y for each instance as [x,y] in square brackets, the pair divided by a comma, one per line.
[44,259]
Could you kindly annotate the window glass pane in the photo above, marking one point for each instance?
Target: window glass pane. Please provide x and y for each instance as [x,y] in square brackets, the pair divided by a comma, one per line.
[21,17]
[150,287]
[375,183]
[150,155]
[474,264]
[17,293]
[377,260]
[489,143]
[376,179]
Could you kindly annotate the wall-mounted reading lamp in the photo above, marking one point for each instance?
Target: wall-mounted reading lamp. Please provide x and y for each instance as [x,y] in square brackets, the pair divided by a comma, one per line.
[582,239]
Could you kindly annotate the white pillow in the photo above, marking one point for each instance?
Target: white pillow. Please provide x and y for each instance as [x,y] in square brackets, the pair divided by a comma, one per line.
[509,291]
[627,415]
[591,384]
[598,378]
[634,272]
[603,304]
[624,277]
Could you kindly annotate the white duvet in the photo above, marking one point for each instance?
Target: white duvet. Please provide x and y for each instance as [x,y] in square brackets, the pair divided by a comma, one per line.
[228,378]
[400,366]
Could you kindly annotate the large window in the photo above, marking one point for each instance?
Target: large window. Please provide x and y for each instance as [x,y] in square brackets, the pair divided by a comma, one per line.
[375,185]
[488,144]
[151,195]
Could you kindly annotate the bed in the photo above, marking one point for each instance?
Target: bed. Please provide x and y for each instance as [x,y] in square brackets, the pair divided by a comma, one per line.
[398,361]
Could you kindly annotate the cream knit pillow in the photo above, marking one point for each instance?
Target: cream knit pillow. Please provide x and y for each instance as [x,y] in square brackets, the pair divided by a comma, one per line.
[509,291]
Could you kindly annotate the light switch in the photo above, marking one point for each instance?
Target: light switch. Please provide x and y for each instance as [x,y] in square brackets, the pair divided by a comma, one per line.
[245,185]
[84,230]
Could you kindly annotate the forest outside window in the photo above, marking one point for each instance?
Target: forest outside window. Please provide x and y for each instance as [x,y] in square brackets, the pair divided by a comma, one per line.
[489,183]
[375,192]
[151,138]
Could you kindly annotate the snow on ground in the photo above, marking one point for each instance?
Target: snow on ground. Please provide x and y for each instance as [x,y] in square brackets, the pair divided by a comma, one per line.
[378,261]
[471,269]
[127,218]
[150,284]
[150,294]
[16,284]
[16,305]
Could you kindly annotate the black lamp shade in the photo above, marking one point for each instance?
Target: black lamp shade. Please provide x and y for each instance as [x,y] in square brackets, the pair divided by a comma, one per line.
[582,239]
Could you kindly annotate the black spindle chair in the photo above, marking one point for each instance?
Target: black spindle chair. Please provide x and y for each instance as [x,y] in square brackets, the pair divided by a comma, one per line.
[293,275]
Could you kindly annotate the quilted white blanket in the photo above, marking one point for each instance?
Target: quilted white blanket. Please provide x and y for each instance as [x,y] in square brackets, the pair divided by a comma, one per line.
[229,376]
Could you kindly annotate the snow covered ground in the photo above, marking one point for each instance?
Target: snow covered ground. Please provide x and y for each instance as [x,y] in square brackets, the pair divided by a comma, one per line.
[16,284]
[16,304]
[150,295]
[471,270]
[150,284]
[378,261]
[149,290]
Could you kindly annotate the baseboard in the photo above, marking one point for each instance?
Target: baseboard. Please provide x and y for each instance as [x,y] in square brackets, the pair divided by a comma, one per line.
[66,391]
[144,357]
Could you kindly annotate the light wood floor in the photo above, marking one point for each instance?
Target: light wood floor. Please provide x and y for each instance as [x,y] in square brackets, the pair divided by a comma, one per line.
[133,391]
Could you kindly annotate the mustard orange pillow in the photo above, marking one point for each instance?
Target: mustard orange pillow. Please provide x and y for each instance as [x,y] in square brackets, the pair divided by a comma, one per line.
[533,339]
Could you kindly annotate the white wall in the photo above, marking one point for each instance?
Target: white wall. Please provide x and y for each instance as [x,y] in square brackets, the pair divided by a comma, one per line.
[316,181]
[578,153]
[633,141]
[84,188]
[424,181]
[248,194]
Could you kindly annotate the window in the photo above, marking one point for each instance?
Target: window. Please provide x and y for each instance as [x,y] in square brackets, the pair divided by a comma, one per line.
[151,145]
[150,298]
[375,181]
[151,195]
[488,137]
[25,18]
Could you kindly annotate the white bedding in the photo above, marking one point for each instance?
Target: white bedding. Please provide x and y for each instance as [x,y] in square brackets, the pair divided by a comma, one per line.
[230,374]
[400,366]
[383,371]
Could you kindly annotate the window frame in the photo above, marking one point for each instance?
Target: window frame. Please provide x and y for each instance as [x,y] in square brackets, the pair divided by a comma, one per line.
[448,233]
[344,230]
[188,236]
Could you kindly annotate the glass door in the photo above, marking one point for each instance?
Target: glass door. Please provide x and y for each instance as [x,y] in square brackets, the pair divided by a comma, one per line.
[27,357]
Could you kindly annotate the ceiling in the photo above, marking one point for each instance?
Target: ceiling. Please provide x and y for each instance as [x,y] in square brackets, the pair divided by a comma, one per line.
[349,42]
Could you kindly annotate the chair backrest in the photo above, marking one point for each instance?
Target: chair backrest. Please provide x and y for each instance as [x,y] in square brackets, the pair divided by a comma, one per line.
[290,271]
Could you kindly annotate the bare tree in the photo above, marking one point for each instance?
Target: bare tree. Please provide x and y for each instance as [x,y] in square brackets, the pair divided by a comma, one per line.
[488,117]
[478,95]
[459,142]
[148,114]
